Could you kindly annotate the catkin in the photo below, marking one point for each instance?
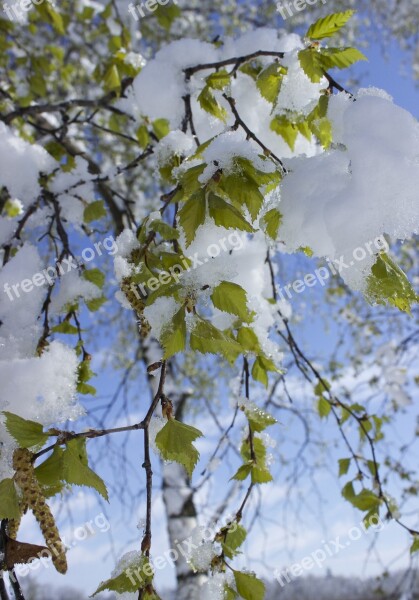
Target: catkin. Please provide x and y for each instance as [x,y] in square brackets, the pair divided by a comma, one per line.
[14,524]
[136,304]
[13,527]
[32,496]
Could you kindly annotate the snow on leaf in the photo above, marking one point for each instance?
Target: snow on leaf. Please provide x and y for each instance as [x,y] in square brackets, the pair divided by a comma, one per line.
[136,575]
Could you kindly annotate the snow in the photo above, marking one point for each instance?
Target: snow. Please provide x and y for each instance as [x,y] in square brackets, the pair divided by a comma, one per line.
[378,167]
[175,143]
[159,87]
[225,148]
[20,165]
[201,557]
[71,288]
[41,389]
[126,242]
[298,93]
[7,228]
[20,330]
[263,38]
[156,424]
[78,184]
[213,589]
[160,313]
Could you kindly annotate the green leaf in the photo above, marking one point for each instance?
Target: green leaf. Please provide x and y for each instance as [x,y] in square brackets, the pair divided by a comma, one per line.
[251,68]
[218,80]
[340,57]
[328,26]
[111,79]
[94,211]
[243,190]
[229,593]
[248,586]
[52,16]
[192,215]
[26,433]
[143,136]
[207,339]
[173,335]
[311,63]
[261,474]
[49,473]
[225,215]
[269,82]
[231,298]
[138,570]
[248,339]
[65,327]
[85,388]
[190,183]
[415,545]
[175,442]
[283,127]
[344,464]
[94,276]
[259,470]
[243,472]
[165,16]
[166,231]
[161,128]
[388,284]
[260,369]
[348,491]
[323,407]
[271,222]
[232,540]
[12,209]
[85,373]
[365,500]
[258,419]
[95,303]
[256,175]
[76,470]
[9,501]
[210,104]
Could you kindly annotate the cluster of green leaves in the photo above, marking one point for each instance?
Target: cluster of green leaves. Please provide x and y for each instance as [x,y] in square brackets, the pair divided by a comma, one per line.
[253,450]
[65,466]
[366,500]
[137,576]
[315,60]
[246,585]
[234,200]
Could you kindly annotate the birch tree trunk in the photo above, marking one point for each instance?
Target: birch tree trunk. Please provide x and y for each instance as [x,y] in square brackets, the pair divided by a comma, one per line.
[177,490]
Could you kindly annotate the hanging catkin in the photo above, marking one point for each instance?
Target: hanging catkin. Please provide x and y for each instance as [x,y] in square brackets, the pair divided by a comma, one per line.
[131,293]
[13,527]
[32,496]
